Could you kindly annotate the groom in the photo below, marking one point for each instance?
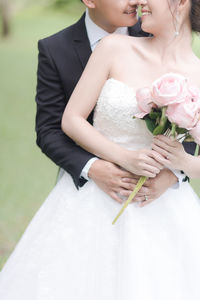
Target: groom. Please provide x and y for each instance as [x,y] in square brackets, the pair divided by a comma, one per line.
[62,59]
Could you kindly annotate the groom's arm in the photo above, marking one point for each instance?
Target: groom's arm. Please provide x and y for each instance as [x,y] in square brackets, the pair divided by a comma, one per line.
[189,147]
[51,101]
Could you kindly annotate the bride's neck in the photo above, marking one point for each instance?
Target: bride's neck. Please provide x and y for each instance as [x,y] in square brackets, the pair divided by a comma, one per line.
[171,47]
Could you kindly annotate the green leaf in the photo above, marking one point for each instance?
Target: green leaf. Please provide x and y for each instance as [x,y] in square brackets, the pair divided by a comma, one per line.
[189,138]
[154,115]
[162,127]
[181,130]
[151,124]
[158,130]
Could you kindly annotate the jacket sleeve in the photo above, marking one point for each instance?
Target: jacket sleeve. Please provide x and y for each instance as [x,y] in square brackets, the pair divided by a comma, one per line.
[51,101]
[189,147]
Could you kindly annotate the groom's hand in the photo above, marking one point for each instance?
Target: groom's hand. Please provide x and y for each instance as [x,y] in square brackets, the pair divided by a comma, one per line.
[112,180]
[156,186]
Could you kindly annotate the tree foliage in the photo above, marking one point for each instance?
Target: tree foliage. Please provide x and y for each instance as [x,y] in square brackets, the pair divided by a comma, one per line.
[61,3]
[5,17]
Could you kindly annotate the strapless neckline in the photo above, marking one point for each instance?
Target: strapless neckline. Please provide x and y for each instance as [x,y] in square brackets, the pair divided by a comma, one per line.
[121,82]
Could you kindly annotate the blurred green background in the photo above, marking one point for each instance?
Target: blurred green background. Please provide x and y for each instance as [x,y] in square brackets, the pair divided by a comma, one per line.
[27,175]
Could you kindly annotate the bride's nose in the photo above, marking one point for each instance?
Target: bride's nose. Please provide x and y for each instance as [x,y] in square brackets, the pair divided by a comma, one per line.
[142,2]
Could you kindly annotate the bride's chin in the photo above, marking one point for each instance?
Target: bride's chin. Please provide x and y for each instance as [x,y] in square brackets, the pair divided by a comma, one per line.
[146,28]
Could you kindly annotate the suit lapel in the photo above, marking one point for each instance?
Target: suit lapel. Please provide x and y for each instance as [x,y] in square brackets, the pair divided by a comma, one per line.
[81,42]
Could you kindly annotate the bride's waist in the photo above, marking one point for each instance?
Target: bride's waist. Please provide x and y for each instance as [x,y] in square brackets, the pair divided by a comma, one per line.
[132,143]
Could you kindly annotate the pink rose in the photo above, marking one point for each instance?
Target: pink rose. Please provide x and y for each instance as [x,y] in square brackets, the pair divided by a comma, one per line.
[194,94]
[144,101]
[169,89]
[184,114]
[195,132]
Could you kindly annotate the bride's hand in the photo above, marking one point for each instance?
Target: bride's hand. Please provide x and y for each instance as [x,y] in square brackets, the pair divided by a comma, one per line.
[140,162]
[170,152]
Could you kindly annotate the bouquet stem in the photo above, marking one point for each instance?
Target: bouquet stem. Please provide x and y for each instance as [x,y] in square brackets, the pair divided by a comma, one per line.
[196,150]
[173,130]
[140,183]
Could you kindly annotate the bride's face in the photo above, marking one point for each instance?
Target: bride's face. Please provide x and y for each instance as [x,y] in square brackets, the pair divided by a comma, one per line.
[158,17]
[111,14]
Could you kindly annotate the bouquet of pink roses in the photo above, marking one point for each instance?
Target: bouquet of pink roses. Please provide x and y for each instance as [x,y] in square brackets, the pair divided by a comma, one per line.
[171,106]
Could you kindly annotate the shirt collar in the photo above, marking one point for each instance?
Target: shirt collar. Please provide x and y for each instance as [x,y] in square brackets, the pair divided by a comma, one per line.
[96,33]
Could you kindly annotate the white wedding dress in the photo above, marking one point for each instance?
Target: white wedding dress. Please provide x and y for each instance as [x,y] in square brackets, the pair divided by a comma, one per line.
[71,250]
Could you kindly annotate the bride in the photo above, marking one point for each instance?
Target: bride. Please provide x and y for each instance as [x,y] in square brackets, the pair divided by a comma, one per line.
[71,250]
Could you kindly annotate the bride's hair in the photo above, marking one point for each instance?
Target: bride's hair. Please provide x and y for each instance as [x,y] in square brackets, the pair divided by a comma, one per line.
[195,15]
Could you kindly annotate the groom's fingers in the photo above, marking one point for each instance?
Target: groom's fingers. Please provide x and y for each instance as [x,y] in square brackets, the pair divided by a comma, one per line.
[115,182]
[116,197]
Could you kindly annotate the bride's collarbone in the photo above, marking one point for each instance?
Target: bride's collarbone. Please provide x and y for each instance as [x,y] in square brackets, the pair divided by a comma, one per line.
[140,73]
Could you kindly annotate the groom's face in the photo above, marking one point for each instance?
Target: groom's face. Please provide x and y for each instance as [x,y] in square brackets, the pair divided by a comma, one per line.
[111,14]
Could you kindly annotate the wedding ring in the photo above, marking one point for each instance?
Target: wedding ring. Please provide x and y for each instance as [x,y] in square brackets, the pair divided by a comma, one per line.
[146,198]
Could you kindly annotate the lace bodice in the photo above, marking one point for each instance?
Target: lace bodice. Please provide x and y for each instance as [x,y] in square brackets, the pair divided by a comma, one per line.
[113,116]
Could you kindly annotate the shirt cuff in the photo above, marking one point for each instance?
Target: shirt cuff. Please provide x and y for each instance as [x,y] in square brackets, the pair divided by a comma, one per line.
[84,173]
[180,177]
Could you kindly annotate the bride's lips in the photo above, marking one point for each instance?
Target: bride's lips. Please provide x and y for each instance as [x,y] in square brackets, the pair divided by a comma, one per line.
[145,12]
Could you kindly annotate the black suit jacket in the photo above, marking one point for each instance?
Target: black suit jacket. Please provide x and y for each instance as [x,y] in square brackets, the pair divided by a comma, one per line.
[62,59]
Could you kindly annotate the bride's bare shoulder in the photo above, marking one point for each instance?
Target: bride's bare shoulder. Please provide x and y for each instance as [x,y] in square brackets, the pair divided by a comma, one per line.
[117,43]
[115,40]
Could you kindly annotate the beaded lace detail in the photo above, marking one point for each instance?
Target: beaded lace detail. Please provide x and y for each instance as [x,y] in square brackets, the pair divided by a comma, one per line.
[114,113]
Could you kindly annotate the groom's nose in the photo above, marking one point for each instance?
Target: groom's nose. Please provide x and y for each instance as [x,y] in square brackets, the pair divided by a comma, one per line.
[142,2]
[133,2]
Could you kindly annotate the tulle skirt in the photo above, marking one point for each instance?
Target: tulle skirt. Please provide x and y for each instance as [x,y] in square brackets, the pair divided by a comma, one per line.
[71,250]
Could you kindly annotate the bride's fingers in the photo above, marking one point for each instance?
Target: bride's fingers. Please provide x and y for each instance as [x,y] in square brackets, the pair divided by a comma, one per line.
[152,169]
[130,180]
[128,186]
[170,141]
[162,145]
[125,193]
[127,174]
[154,163]
[148,174]
[164,160]
[163,152]
[144,203]
[138,199]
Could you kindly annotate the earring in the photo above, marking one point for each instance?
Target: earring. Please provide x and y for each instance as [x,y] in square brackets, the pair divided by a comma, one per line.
[176,25]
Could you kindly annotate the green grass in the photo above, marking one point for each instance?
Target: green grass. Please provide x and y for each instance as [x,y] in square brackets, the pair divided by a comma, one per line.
[26,175]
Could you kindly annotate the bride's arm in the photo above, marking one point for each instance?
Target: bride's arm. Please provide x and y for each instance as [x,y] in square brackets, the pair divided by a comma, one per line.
[82,102]
[174,156]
